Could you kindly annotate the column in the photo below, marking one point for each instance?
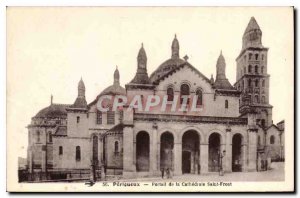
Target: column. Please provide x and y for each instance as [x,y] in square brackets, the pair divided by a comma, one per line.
[153,152]
[203,158]
[100,157]
[228,148]
[177,158]
[244,158]
[252,149]
[128,155]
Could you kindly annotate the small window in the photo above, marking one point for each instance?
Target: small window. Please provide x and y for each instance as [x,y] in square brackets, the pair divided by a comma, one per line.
[99,117]
[272,139]
[258,140]
[184,91]
[263,99]
[256,69]
[116,146]
[38,136]
[262,57]
[78,119]
[199,97]
[262,69]
[170,94]
[250,69]
[110,117]
[249,83]
[256,56]
[60,150]
[263,122]
[226,104]
[256,82]
[244,70]
[250,56]
[78,153]
[256,99]
[263,83]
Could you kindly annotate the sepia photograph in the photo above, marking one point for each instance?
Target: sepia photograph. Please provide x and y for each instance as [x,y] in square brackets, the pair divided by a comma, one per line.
[150,99]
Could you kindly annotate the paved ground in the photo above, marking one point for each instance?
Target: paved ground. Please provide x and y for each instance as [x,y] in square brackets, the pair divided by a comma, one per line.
[275,174]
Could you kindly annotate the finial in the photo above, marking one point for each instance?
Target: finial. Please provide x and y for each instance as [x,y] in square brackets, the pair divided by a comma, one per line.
[142,44]
[116,66]
[186,57]
[51,99]
[221,52]
[175,35]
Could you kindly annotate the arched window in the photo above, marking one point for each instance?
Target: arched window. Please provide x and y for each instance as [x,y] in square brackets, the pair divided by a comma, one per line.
[249,83]
[184,91]
[199,97]
[256,56]
[263,122]
[244,70]
[78,119]
[258,140]
[110,117]
[78,153]
[170,93]
[262,57]
[60,150]
[250,56]
[263,83]
[256,99]
[263,99]
[256,69]
[262,69]
[256,82]
[116,146]
[38,136]
[99,117]
[226,104]
[250,69]
[272,139]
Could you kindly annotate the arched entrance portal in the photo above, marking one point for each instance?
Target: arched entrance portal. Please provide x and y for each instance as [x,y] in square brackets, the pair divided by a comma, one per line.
[237,153]
[190,152]
[142,151]
[214,150]
[166,150]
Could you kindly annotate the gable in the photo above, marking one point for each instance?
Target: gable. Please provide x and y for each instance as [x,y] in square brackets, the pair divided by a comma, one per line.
[185,73]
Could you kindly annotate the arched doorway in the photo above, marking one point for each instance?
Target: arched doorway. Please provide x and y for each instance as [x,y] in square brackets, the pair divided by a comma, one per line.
[237,153]
[166,150]
[190,152]
[214,150]
[142,151]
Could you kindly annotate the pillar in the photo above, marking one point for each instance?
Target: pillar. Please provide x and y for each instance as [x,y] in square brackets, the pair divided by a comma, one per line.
[252,149]
[154,152]
[43,160]
[204,158]
[177,158]
[244,158]
[228,149]
[129,168]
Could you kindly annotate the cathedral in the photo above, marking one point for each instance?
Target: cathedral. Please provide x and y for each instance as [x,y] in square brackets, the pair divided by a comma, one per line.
[233,132]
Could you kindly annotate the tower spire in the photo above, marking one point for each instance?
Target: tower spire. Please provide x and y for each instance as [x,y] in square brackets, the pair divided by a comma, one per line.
[252,35]
[175,48]
[80,101]
[221,80]
[141,76]
[116,76]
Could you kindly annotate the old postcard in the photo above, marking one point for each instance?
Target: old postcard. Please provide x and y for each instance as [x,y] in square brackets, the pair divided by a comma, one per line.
[150,99]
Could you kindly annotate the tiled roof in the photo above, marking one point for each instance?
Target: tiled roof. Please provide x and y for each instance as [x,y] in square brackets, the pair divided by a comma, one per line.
[53,111]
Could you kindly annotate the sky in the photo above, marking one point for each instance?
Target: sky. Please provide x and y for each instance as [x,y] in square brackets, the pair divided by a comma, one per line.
[49,49]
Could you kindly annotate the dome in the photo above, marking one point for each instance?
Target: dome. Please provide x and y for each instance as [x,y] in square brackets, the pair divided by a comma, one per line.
[113,90]
[165,67]
[53,111]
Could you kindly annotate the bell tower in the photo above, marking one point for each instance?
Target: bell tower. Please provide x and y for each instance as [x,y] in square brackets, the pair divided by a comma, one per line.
[252,77]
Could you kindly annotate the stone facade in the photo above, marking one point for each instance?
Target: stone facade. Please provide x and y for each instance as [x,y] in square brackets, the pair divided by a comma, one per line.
[232,131]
